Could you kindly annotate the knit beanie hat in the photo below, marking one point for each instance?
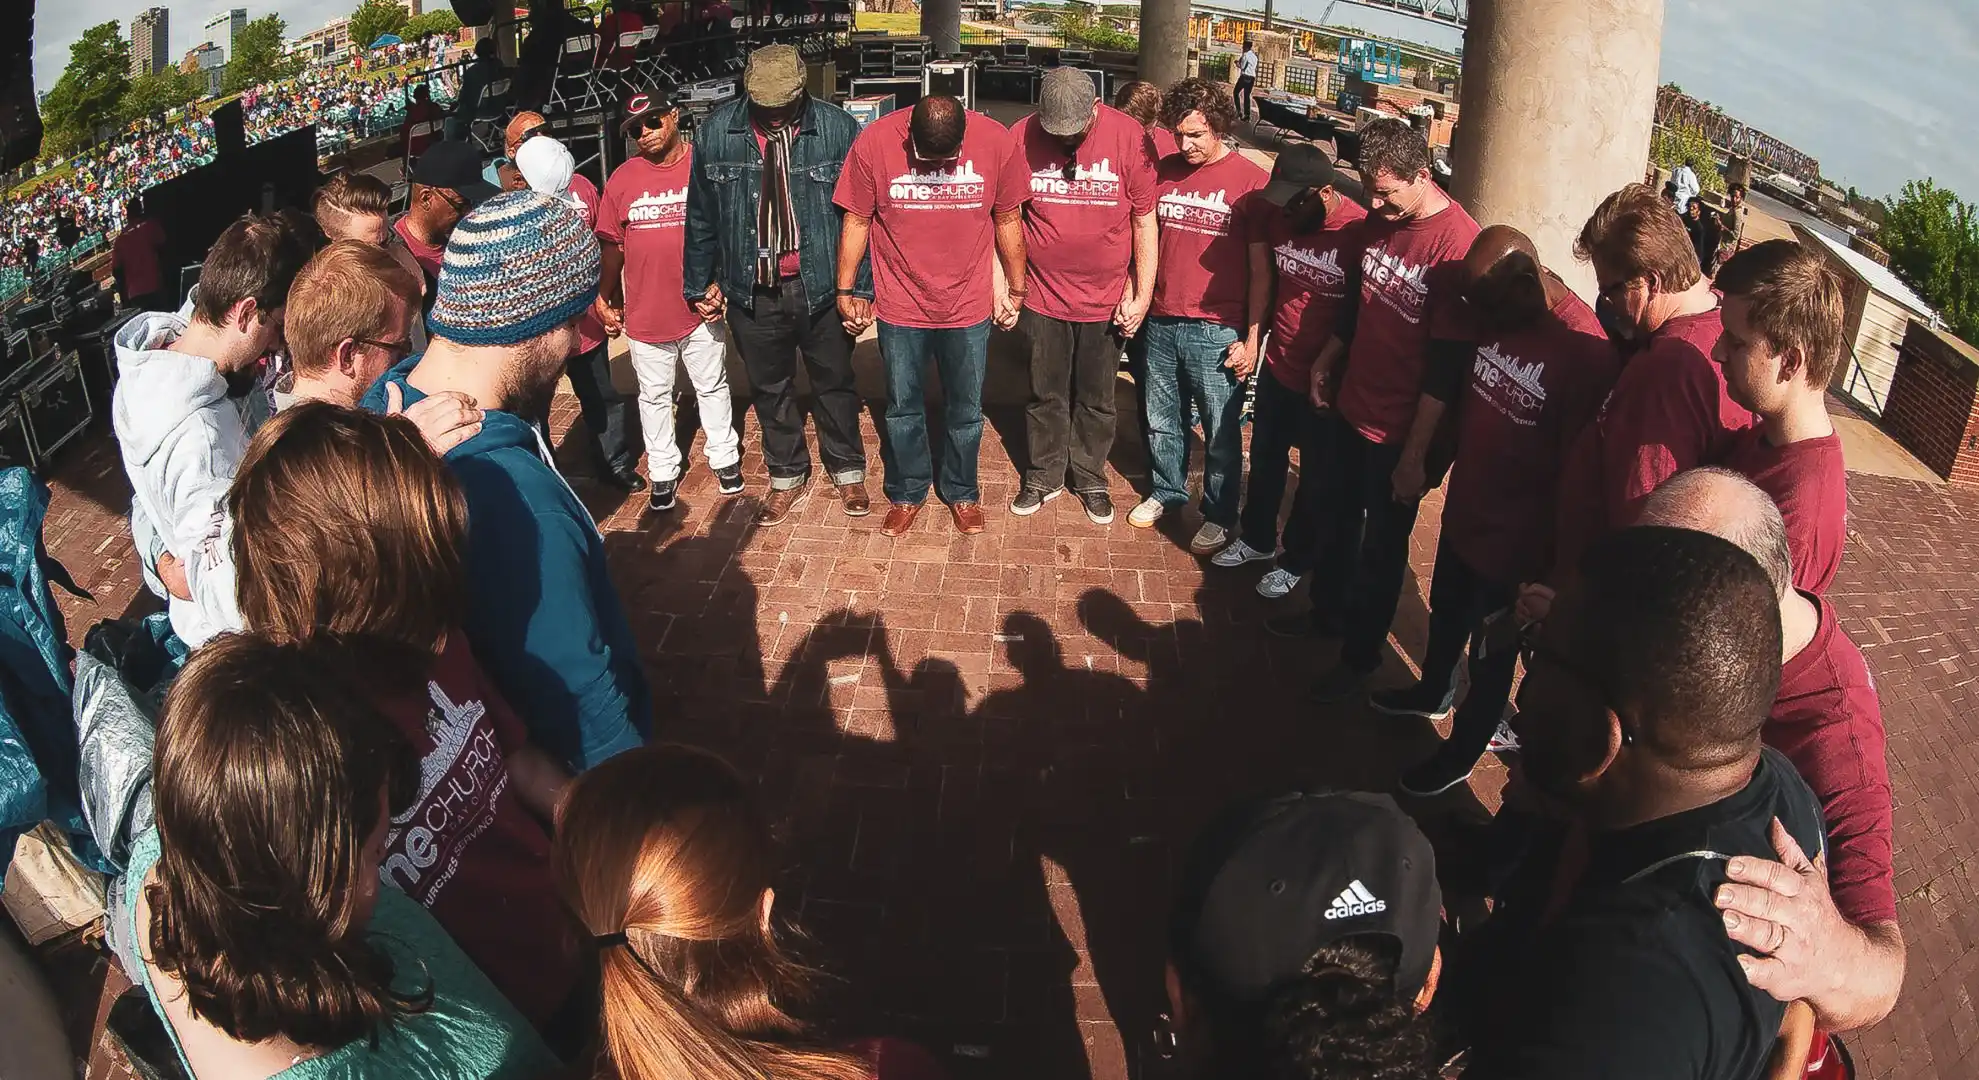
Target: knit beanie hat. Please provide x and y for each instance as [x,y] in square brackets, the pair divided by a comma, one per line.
[521,265]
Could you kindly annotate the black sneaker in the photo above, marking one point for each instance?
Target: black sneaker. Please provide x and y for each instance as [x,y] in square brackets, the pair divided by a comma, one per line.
[1099,506]
[1030,500]
[1303,625]
[626,480]
[730,480]
[1435,775]
[661,497]
[1417,700]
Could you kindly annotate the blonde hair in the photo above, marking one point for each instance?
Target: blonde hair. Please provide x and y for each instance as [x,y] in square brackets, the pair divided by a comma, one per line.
[345,291]
[663,846]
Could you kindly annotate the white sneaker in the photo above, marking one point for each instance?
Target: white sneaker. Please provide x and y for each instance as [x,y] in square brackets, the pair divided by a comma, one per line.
[1277,584]
[1503,741]
[1209,538]
[1147,513]
[1238,554]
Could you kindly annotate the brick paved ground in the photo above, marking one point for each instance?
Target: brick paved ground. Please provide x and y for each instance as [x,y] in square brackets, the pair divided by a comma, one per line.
[987,753]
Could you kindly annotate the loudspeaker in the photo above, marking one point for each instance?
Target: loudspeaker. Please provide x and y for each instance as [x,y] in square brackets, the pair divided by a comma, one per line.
[229,129]
[20,122]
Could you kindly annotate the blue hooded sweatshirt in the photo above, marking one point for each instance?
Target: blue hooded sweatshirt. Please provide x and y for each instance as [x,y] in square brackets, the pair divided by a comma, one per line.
[544,618]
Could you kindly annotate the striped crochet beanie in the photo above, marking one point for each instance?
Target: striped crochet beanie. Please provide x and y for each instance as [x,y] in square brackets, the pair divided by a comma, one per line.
[521,265]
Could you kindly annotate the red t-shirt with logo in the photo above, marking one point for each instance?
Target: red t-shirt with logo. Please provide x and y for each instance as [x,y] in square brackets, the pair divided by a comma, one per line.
[1312,284]
[1828,722]
[1411,292]
[1810,484]
[1078,233]
[932,236]
[1670,411]
[466,849]
[788,264]
[427,256]
[645,211]
[590,329]
[1164,142]
[1209,216]
[1525,401]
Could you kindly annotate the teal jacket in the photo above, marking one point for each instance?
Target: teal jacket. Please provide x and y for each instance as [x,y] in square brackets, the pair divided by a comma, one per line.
[543,615]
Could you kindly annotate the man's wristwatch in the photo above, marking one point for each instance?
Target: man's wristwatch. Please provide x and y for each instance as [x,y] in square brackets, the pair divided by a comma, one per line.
[847,292]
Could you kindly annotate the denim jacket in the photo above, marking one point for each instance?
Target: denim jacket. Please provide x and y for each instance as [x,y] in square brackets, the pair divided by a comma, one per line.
[728,180]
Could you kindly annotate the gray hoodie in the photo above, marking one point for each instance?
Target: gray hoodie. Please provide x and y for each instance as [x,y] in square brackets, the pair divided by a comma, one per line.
[181,438]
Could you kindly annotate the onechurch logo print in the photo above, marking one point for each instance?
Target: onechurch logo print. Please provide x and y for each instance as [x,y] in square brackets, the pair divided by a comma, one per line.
[959,187]
[1355,900]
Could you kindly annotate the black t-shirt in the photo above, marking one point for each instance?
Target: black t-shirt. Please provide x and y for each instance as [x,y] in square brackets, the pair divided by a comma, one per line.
[1634,975]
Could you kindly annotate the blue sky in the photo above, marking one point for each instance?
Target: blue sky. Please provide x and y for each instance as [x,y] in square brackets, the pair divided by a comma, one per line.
[1876,89]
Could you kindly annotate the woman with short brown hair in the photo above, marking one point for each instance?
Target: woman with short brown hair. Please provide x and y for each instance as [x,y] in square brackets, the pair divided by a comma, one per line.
[345,524]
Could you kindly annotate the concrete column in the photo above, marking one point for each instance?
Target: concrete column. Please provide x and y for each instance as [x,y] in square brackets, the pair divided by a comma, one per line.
[1558,100]
[941,21]
[1164,41]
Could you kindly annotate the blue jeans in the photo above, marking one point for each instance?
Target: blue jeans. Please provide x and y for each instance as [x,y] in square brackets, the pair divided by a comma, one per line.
[1185,363]
[960,355]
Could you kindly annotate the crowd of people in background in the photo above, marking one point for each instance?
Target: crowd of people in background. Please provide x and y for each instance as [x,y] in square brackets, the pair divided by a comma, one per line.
[404,636]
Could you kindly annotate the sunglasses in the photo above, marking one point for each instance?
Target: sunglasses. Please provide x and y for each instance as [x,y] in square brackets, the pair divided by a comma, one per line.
[397,350]
[1612,293]
[654,120]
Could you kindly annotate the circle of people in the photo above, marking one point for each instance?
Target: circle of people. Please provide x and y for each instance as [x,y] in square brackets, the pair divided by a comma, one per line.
[408,820]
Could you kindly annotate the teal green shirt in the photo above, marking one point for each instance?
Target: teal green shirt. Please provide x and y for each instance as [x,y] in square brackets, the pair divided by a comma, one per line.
[470,1030]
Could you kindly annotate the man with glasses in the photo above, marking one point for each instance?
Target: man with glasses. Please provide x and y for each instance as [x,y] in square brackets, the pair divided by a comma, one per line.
[446,184]
[765,167]
[1645,693]
[934,190]
[1540,370]
[643,226]
[1090,219]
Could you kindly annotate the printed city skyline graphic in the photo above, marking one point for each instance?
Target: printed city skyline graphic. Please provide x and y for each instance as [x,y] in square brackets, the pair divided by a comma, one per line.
[963,172]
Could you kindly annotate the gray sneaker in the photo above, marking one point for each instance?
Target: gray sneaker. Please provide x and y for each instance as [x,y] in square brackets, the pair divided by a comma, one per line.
[1099,506]
[1030,500]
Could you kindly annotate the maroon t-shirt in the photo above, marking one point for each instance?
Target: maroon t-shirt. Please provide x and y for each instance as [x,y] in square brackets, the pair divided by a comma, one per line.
[1209,216]
[427,256]
[645,211]
[467,850]
[1164,142]
[1312,284]
[1079,232]
[788,264]
[932,236]
[1809,482]
[1527,398]
[136,254]
[590,329]
[1828,722]
[1670,411]
[1411,292]
[898,1059]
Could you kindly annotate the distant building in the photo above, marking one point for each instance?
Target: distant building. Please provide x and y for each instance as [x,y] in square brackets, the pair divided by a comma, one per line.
[331,37]
[221,28]
[204,56]
[412,7]
[151,35]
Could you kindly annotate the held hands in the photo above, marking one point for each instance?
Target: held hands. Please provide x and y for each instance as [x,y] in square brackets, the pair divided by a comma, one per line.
[1241,359]
[712,305]
[612,318]
[1129,313]
[856,313]
[1008,304]
[1320,392]
[172,574]
[445,419]
[1409,479]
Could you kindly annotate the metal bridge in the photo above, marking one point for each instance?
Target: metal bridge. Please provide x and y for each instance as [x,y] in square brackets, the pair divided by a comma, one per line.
[1410,7]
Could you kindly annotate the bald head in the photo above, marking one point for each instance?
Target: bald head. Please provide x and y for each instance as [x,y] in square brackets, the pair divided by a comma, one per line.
[937,126]
[1728,506]
[1503,281]
[1493,244]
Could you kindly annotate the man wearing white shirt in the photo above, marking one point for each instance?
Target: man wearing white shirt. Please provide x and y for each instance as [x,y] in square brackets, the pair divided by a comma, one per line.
[1247,78]
[1684,178]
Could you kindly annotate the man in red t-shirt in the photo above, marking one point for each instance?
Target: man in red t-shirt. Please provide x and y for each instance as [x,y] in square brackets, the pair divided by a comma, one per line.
[134,260]
[1408,317]
[1541,368]
[1207,318]
[546,165]
[446,184]
[1090,218]
[1314,248]
[643,227]
[1834,941]
[1783,312]
[931,190]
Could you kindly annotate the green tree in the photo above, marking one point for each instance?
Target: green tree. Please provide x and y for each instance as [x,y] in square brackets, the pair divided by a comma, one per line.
[373,19]
[89,92]
[1673,144]
[160,91]
[257,57]
[1932,236]
[441,21]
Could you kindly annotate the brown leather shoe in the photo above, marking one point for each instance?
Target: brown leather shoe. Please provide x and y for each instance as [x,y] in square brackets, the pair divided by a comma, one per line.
[968,517]
[781,502]
[899,518]
[855,500]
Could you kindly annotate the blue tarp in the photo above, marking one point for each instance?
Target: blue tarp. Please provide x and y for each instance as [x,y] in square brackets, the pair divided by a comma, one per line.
[384,40]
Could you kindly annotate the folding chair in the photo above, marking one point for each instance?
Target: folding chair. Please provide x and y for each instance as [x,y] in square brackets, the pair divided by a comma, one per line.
[489,113]
[576,84]
[619,66]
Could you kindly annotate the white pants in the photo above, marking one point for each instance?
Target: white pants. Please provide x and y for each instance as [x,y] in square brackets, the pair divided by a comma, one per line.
[704,353]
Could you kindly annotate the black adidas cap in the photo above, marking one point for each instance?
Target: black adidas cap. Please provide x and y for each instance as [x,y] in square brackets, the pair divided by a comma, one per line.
[1272,880]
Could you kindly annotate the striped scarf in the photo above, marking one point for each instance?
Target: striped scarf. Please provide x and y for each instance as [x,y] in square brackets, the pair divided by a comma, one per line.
[776,217]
